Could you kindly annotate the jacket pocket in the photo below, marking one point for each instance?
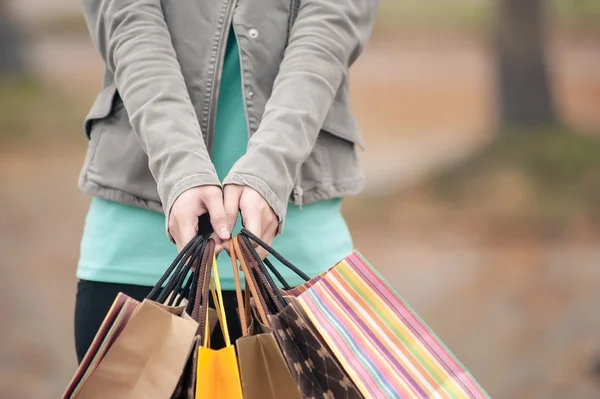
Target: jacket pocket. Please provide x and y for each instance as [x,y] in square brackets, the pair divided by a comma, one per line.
[334,160]
[115,159]
[92,126]
[340,121]
[101,109]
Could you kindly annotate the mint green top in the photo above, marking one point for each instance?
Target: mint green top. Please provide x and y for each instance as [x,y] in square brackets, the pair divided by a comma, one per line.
[128,245]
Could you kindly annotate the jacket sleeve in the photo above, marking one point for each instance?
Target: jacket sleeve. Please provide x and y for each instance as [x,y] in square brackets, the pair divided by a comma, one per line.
[326,39]
[134,41]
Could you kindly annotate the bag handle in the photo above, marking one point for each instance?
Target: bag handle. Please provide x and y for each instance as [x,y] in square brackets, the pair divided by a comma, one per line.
[179,290]
[173,290]
[277,274]
[173,270]
[253,284]
[200,306]
[197,272]
[251,287]
[217,294]
[238,288]
[180,264]
[186,289]
[262,276]
[275,254]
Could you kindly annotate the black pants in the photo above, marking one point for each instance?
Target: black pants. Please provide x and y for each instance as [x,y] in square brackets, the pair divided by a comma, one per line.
[94,300]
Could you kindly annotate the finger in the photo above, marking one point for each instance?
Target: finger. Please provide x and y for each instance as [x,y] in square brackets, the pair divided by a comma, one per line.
[187,229]
[232,194]
[251,216]
[174,232]
[268,236]
[218,218]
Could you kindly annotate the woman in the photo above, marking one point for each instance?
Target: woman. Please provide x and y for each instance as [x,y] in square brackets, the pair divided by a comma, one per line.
[214,107]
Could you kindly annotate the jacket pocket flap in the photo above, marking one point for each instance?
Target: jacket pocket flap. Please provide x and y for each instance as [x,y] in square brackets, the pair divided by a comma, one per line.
[349,134]
[340,122]
[102,107]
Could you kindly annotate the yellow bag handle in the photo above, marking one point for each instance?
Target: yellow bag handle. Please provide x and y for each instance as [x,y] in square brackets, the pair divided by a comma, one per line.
[217,294]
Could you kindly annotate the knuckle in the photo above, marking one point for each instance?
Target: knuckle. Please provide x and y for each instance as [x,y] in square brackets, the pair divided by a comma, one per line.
[213,191]
[231,214]
[219,216]
[214,196]
[231,188]
[209,193]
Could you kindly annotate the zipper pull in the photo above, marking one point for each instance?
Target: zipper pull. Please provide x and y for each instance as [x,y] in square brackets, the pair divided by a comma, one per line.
[298,192]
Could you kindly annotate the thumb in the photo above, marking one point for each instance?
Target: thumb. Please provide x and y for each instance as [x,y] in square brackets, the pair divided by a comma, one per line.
[218,217]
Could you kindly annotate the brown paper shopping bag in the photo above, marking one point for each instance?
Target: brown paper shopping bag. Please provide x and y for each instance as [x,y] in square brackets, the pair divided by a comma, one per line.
[141,351]
[263,369]
[116,319]
[147,359]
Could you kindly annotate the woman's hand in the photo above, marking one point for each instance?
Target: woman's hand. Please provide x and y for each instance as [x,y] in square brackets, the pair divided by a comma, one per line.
[257,215]
[195,202]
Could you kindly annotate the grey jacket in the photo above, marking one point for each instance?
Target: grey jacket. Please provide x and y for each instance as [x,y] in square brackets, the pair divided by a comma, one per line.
[151,127]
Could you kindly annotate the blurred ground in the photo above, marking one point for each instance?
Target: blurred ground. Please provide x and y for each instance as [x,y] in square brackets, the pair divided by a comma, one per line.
[520,311]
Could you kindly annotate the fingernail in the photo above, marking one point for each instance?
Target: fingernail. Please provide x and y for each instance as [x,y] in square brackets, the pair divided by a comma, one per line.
[224,233]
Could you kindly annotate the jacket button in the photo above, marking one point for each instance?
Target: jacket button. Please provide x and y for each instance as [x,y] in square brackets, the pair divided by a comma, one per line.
[253,33]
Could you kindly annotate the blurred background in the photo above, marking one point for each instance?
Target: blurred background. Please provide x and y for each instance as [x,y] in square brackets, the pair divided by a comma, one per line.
[482,121]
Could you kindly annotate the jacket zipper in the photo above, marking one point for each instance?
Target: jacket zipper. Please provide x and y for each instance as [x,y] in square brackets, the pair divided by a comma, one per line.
[297,192]
[214,96]
[293,13]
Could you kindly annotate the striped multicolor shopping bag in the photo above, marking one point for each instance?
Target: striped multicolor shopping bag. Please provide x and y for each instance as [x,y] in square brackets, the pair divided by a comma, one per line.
[377,339]
[383,345]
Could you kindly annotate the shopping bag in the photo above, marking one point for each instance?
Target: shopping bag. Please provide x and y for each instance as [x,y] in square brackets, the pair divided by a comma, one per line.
[141,348]
[264,372]
[114,322]
[381,343]
[315,370]
[217,370]
[186,388]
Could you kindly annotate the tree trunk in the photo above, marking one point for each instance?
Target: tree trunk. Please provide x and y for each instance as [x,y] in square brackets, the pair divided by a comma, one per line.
[12,62]
[525,93]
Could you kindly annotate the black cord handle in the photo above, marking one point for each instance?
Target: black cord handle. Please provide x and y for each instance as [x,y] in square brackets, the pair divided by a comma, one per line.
[179,288]
[185,290]
[175,266]
[180,273]
[277,274]
[278,297]
[275,254]
[175,272]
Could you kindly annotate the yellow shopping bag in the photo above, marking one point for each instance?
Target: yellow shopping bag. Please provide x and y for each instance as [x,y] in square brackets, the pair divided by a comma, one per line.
[218,375]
